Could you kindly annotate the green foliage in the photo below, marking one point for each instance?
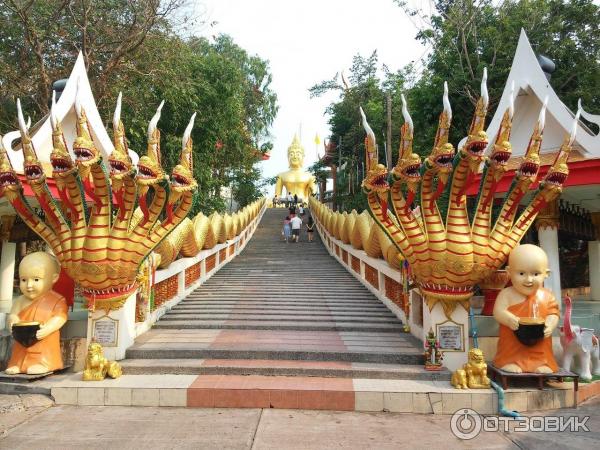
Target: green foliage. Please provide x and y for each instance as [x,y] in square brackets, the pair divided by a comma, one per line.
[463,37]
[134,47]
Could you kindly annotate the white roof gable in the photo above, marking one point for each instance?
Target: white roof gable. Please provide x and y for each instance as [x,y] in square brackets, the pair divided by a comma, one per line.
[531,87]
[65,112]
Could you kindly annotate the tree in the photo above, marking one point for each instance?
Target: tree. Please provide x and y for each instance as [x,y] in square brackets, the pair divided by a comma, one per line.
[135,47]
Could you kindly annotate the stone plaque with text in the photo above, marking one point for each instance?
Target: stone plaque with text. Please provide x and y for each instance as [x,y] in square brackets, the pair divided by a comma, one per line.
[450,336]
[105,331]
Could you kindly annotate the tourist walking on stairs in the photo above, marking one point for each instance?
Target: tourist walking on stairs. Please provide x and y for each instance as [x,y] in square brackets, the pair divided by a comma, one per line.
[296,224]
[310,228]
[287,231]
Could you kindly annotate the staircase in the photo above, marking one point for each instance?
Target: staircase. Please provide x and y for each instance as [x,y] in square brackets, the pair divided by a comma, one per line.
[280,309]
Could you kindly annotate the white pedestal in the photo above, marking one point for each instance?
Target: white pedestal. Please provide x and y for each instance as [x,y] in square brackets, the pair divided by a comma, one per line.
[118,327]
[594,260]
[437,321]
[7,272]
[548,238]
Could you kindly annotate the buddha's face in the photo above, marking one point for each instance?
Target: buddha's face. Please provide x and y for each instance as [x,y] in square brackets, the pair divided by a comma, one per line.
[295,157]
[37,275]
[528,268]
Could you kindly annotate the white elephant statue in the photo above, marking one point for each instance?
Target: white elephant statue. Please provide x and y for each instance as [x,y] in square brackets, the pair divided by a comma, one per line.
[579,343]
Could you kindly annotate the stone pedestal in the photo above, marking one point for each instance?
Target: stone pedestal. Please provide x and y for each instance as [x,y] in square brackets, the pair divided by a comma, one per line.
[115,331]
[455,328]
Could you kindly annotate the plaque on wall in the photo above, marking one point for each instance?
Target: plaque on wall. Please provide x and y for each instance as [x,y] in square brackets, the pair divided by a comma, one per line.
[105,331]
[450,335]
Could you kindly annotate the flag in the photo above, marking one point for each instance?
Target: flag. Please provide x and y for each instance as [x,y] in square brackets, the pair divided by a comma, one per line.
[317,139]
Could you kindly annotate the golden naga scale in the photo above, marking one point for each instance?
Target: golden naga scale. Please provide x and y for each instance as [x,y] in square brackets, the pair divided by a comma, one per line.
[102,248]
[449,254]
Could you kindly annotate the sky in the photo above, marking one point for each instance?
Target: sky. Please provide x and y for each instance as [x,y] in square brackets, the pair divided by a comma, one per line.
[305,43]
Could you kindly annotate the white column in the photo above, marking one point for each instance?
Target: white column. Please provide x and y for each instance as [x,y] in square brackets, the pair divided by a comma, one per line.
[594,260]
[548,237]
[7,273]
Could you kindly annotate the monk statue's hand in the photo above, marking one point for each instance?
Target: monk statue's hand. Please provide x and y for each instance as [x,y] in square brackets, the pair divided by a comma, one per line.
[43,332]
[547,331]
[512,322]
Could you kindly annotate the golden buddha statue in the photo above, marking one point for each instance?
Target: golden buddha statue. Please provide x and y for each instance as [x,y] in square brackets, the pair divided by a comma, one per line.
[296,181]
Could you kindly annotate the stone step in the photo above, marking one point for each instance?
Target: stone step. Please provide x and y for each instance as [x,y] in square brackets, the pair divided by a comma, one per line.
[316,311]
[277,325]
[279,367]
[298,392]
[268,317]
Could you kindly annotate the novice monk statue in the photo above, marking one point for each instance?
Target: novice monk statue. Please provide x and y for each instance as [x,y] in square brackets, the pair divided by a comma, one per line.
[39,303]
[526,298]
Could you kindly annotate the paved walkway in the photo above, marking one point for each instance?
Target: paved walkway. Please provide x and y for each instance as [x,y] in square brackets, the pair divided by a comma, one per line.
[69,427]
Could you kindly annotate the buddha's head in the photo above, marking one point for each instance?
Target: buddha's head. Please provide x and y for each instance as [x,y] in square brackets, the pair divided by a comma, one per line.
[527,267]
[37,274]
[296,154]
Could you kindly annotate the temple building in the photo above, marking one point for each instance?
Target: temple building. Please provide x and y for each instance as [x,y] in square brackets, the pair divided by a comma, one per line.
[16,239]
[569,228]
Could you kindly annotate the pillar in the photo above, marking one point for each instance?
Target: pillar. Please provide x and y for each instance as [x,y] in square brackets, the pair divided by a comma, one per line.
[594,260]
[7,268]
[547,227]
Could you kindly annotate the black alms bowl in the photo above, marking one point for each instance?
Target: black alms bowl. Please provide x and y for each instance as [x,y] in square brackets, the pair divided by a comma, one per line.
[24,333]
[530,331]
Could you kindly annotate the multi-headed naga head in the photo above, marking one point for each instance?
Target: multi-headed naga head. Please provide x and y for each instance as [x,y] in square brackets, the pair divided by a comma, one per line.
[9,181]
[119,161]
[477,140]
[32,167]
[60,158]
[86,153]
[442,155]
[502,149]
[559,171]
[408,168]
[182,178]
[530,166]
[150,171]
[376,174]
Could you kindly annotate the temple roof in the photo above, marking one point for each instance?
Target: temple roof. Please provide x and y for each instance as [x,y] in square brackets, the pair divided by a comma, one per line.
[41,133]
[531,87]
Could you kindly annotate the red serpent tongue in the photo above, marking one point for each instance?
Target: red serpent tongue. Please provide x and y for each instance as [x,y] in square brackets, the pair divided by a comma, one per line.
[45,204]
[144,208]
[463,189]
[88,187]
[66,201]
[120,202]
[409,200]
[438,192]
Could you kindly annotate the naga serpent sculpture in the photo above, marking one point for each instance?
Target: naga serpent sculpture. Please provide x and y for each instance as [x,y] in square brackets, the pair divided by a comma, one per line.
[448,257]
[101,249]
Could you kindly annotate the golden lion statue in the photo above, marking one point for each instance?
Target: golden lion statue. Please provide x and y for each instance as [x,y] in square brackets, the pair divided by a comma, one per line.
[97,367]
[473,374]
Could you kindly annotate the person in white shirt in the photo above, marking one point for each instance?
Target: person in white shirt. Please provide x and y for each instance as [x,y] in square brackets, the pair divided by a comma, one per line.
[296,224]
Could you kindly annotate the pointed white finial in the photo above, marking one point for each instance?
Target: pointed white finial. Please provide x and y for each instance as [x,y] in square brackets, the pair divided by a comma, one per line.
[117,114]
[446,102]
[366,125]
[78,98]
[484,90]
[575,123]
[53,118]
[154,120]
[406,114]
[188,132]
[22,124]
[511,100]
[542,117]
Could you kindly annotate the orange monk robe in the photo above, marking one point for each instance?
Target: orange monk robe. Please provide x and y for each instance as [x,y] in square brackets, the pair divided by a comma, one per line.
[528,358]
[47,351]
